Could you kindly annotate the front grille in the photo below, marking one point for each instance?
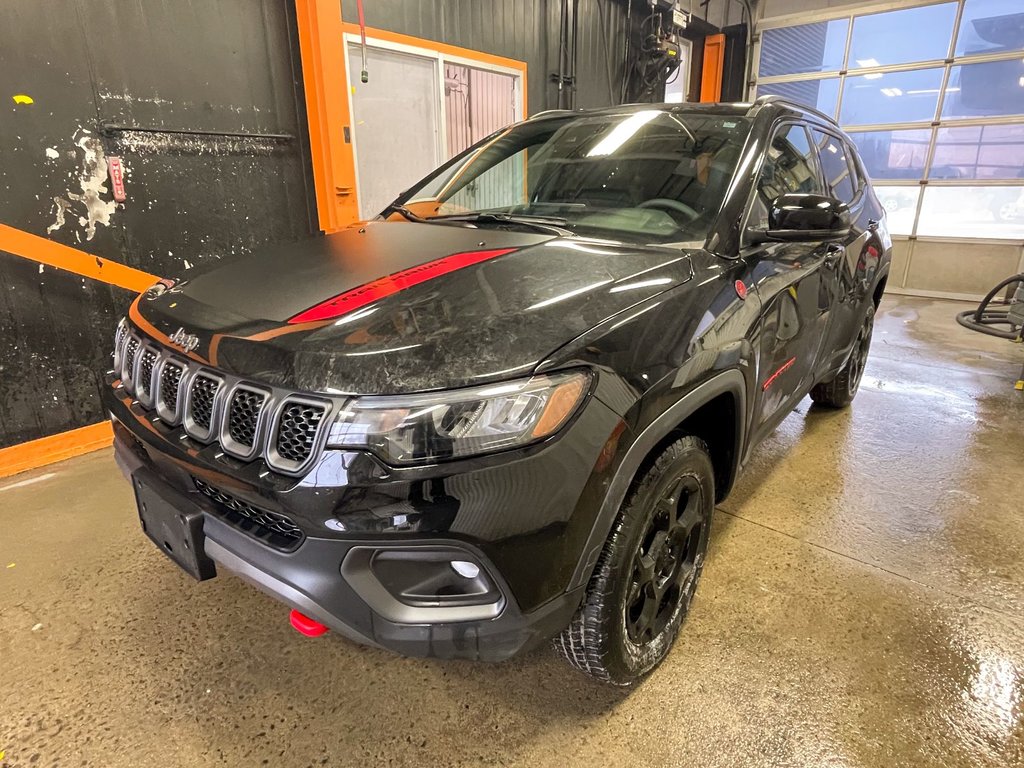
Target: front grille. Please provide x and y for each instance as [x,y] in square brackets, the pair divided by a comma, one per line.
[130,349]
[237,418]
[275,529]
[146,363]
[243,416]
[170,382]
[297,430]
[204,392]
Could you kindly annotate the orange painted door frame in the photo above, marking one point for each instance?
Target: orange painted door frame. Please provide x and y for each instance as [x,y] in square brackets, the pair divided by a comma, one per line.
[325,77]
[711,72]
[321,35]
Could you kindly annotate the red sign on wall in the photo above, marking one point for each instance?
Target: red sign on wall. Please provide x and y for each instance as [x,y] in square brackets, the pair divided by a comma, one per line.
[116,178]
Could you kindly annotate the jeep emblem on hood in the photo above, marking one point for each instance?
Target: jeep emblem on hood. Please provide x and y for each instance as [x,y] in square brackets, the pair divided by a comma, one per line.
[187,341]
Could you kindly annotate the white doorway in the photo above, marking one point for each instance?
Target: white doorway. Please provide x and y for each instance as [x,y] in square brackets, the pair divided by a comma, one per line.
[417,109]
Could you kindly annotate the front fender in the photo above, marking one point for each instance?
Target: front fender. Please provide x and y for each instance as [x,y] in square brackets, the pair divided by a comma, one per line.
[732,382]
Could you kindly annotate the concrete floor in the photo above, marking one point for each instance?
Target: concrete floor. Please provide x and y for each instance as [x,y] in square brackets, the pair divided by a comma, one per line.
[862,605]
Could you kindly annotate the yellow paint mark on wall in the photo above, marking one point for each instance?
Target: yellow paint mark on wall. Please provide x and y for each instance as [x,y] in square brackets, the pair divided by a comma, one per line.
[22,98]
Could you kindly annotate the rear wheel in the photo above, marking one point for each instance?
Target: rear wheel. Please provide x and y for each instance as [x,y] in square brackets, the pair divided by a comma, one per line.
[647,574]
[840,392]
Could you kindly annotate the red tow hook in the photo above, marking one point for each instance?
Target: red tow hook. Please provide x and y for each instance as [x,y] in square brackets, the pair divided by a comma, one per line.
[305,625]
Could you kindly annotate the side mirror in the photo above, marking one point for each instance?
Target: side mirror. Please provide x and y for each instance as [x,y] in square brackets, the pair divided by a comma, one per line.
[800,217]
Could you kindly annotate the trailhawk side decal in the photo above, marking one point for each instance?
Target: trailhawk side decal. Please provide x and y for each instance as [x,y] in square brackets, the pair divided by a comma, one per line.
[378,289]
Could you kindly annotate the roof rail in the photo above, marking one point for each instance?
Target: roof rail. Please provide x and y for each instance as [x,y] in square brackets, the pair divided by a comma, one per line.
[773,99]
[550,112]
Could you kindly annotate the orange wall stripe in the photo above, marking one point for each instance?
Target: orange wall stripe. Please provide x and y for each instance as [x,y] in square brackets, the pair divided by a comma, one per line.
[325,82]
[711,73]
[65,257]
[47,450]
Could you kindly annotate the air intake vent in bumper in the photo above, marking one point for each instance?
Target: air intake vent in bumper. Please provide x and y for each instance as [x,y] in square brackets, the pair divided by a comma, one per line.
[273,528]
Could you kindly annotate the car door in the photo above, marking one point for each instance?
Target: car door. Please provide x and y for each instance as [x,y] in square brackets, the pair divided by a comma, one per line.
[795,281]
[858,258]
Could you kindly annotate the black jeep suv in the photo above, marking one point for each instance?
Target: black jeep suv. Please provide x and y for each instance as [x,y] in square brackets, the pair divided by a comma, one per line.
[503,411]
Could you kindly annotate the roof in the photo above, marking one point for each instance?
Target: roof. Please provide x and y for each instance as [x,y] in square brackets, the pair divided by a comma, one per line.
[738,109]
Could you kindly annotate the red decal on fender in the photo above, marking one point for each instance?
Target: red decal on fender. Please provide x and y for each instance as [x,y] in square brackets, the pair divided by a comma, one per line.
[771,379]
[741,289]
[378,289]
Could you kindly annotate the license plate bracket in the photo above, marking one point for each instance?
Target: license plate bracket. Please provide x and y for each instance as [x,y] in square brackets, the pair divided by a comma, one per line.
[174,523]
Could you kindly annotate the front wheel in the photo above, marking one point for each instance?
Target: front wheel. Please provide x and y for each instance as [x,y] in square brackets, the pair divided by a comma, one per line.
[840,392]
[648,571]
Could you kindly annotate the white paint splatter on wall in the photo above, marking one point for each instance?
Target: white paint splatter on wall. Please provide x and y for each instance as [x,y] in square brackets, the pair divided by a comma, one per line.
[92,180]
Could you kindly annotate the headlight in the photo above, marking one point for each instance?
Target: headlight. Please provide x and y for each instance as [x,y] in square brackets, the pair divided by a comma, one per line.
[422,429]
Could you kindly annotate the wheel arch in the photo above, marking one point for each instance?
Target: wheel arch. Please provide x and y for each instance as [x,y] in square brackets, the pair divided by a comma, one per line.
[699,413]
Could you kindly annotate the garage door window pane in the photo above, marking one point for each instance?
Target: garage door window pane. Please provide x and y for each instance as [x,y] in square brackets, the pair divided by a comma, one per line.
[993,212]
[894,154]
[820,94]
[991,26]
[901,37]
[979,152]
[989,88]
[804,48]
[900,205]
[893,97]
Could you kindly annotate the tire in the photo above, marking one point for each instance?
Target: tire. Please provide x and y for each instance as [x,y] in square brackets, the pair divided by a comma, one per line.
[839,392]
[646,575]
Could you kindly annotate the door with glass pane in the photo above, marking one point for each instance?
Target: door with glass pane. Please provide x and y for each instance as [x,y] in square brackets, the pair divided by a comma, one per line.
[795,282]
[395,120]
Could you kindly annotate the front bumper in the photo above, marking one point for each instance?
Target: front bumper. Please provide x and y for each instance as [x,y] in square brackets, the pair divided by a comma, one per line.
[353,516]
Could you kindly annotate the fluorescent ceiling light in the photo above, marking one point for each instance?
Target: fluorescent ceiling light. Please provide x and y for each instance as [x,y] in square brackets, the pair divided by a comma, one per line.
[890,92]
[623,132]
[873,76]
[868,63]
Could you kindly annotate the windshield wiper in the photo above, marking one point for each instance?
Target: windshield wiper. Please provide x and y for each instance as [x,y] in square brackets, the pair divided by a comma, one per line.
[401,209]
[552,224]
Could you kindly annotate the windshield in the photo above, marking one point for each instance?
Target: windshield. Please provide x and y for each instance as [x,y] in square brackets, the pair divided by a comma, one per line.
[656,175]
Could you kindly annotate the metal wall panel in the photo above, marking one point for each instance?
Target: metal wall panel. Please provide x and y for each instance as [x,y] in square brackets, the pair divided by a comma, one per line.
[94,68]
[526,30]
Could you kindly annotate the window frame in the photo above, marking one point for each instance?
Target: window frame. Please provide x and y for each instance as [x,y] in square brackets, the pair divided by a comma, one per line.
[755,188]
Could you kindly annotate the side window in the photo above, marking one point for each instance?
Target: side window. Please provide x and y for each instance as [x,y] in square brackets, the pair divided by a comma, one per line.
[789,166]
[835,165]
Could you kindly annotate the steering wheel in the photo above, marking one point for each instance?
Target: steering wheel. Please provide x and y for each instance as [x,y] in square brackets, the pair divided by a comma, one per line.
[674,205]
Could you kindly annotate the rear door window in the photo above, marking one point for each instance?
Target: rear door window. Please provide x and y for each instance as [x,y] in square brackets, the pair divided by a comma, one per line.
[832,153]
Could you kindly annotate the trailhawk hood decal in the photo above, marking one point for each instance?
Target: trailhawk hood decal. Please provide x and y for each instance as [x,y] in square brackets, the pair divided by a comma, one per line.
[430,307]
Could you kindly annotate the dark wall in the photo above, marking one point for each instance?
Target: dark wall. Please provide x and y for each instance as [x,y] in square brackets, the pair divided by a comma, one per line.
[155,83]
[526,30]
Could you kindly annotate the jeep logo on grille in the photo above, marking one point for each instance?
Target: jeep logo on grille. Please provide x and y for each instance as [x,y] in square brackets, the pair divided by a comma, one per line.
[187,341]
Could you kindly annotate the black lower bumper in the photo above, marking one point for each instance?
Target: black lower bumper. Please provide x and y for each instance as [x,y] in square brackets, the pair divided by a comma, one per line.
[359,587]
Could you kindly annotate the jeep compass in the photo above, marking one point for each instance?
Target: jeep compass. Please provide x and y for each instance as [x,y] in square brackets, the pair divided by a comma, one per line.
[501,413]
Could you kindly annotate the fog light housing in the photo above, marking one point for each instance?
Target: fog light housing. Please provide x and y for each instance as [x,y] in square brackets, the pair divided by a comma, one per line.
[426,584]
[432,578]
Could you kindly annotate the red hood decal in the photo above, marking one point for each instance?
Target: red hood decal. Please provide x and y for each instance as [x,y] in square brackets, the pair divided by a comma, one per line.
[375,290]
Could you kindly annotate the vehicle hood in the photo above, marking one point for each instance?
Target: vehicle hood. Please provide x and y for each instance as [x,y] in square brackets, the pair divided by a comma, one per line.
[503,302]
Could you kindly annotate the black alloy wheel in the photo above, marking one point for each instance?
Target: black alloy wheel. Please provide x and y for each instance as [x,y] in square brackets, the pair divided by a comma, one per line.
[647,573]
[840,391]
[665,563]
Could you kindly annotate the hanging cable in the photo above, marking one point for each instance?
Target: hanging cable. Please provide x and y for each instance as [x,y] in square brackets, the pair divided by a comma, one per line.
[364,76]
